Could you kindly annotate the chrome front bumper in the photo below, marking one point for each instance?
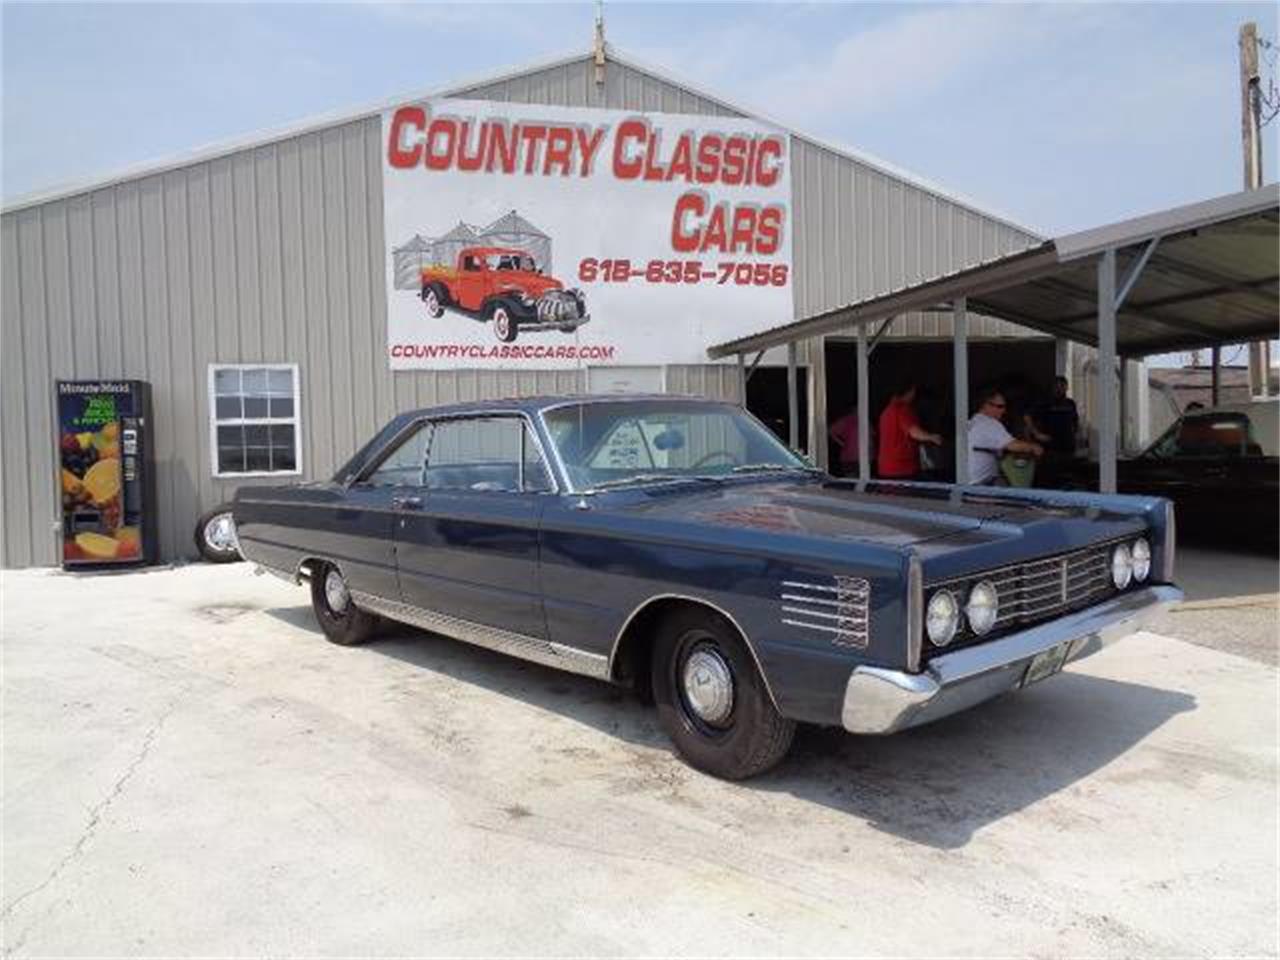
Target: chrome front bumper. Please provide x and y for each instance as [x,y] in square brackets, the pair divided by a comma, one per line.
[877,700]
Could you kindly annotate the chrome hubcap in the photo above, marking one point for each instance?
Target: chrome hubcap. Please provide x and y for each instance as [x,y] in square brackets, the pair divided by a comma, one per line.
[432,303]
[500,322]
[220,533]
[335,591]
[708,685]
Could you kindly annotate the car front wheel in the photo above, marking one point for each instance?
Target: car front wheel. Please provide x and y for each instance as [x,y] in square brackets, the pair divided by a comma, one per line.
[504,327]
[712,701]
[341,620]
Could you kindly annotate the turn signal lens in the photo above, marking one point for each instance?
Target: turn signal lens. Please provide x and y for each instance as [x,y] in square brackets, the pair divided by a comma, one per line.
[1121,566]
[942,618]
[983,607]
[1141,555]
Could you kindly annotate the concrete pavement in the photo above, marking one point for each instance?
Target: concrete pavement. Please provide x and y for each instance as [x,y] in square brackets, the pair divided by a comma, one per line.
[190,769]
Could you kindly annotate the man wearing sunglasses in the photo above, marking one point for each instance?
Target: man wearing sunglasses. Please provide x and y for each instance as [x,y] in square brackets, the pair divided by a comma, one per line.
[989,440]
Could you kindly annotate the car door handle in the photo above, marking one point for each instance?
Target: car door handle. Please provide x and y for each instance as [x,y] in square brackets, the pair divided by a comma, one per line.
[407,503]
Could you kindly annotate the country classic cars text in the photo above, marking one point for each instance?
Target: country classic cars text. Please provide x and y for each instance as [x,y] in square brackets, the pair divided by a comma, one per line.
[635,152]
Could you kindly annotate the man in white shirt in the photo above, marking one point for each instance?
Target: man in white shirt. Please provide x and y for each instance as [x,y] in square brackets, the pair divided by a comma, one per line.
[989,440]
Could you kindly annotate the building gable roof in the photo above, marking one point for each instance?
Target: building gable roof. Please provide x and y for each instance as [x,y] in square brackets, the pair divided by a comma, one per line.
[339,118]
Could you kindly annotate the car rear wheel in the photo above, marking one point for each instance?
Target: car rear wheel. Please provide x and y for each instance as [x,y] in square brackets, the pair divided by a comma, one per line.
[431,300]
[341,620]
[711,699]
[504,328]
[215,536]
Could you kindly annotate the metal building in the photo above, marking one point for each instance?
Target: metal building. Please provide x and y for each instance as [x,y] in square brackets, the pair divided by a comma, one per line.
[200,261]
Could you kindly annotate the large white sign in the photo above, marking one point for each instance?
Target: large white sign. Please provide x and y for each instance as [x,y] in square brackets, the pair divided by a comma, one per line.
[532,236]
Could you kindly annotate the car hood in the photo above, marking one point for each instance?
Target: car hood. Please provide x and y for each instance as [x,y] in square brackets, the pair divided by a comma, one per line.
[931,520]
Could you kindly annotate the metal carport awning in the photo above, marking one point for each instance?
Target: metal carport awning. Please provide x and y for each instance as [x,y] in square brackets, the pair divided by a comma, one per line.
[1195,276]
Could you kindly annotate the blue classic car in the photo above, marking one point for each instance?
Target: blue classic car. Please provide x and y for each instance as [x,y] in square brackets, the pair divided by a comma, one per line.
[673,545]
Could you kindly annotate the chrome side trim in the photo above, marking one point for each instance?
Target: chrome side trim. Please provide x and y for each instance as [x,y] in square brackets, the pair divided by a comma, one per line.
[1170,550]
[491,638]
[915,613]
[284,575]
[617,640]
[878,700]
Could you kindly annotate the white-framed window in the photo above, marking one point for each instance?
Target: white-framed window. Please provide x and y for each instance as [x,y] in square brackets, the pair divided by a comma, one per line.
[255,424]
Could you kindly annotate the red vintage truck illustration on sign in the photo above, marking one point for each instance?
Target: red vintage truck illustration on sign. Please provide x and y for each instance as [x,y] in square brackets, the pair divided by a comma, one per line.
[506,287]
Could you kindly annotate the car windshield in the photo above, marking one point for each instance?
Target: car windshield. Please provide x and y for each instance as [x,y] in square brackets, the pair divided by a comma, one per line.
[512,261]
[619,443]
[1207,435]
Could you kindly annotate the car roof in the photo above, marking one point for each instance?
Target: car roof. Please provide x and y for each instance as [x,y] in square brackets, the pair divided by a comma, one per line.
[532,405]
[498,250]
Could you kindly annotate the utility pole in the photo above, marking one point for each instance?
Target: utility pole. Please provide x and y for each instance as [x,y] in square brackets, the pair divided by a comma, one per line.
[1251,139]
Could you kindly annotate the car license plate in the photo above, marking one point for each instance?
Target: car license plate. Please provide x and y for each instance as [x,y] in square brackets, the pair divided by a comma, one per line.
[1046,664]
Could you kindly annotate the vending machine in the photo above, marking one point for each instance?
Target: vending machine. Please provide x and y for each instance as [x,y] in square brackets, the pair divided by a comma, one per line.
[105,473]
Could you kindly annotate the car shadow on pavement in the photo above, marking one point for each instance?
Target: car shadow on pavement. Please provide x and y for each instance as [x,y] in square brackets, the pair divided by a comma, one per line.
[939,784]
[936,785]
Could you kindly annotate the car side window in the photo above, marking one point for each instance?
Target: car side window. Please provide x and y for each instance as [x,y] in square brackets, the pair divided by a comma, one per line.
[404,465]
[485,454]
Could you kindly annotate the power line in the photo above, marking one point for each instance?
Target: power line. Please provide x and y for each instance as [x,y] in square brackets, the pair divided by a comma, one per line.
[1269,98]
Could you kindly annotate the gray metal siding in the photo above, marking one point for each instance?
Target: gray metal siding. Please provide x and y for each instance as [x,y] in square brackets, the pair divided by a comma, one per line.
[275,253]
[859,232]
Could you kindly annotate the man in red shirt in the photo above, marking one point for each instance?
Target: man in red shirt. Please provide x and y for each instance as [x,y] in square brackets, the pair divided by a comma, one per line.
[901,436]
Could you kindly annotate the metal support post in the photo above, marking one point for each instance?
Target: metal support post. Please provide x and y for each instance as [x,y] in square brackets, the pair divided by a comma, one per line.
[742,380]
[864,411]
[793,406]
[1124,406]
[1107,419]
[1062,358]
[816,384]
[960,360]
[1215,376]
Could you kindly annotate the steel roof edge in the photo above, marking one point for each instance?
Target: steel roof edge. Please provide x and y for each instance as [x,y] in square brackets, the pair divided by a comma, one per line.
[1033,261]
[1191,216]
[336,118]
[262,138]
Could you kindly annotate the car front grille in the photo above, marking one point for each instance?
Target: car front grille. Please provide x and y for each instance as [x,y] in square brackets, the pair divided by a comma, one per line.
[557,305]
[1034,591]
[1045,588]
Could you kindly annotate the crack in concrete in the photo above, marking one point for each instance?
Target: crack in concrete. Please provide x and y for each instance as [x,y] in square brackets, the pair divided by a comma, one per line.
[96,814]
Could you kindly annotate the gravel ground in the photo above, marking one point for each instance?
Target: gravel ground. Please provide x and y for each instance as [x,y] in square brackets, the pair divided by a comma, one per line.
[1232,603]
[189,769]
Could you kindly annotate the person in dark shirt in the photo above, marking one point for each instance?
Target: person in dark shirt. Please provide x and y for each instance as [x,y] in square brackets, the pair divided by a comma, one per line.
[1058,420]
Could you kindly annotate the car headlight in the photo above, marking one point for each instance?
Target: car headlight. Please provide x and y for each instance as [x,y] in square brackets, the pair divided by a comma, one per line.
[983,607]
[1140,554]
[942,618]
[1121,566]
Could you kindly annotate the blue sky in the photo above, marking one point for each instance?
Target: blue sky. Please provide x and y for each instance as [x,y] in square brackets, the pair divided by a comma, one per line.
[1060,116]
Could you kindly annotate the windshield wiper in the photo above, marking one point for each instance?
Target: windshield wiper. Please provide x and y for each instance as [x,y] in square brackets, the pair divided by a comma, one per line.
[773,468]
[652,478]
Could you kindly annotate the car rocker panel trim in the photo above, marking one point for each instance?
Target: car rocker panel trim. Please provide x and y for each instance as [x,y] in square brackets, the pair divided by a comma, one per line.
[492,638]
